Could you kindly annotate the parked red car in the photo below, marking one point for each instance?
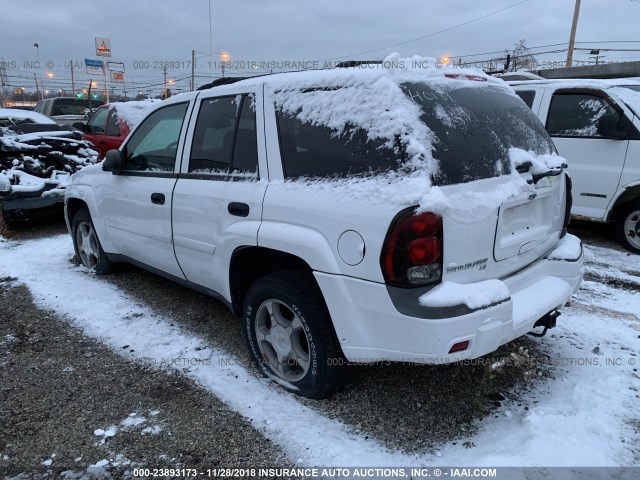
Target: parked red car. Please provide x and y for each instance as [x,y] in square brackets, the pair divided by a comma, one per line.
[105,129]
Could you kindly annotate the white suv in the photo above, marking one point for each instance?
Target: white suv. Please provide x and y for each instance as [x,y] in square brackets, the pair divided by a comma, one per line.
[362,214]
[595,124]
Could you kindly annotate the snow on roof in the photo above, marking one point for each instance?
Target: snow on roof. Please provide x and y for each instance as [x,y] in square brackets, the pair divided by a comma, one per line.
[134,112]
[22,115]
[628,96]
[370,97]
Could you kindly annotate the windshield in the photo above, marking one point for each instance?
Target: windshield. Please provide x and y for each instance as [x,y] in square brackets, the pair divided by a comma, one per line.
[73,106]
[475,126]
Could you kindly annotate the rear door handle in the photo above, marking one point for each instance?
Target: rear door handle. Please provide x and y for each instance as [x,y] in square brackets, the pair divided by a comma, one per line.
[238,209]
[157,198]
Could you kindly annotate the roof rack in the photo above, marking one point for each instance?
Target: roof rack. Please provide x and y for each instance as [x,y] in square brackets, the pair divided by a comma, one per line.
[221,81]
[357,63]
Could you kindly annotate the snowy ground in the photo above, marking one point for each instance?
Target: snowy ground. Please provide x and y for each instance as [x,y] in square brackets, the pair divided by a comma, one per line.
[585,410]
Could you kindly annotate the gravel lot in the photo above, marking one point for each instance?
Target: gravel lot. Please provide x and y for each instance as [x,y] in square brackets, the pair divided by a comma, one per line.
[48,366]
[58,387]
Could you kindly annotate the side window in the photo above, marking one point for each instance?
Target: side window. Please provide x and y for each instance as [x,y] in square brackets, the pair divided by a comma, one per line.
[580,115]
[39,106]
[245,154]
[317,151]
[527,97]
[225,136]
[154,144]
[97,121]
[112,124]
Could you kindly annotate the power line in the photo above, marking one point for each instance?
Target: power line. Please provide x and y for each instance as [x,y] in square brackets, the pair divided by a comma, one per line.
[426,36]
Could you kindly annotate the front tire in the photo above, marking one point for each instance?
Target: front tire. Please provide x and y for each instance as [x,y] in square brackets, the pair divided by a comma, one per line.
[628,226]
[87,245]
[289,335]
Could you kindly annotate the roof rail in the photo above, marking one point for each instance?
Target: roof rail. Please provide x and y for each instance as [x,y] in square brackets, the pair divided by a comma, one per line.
[357,63]
[221,81]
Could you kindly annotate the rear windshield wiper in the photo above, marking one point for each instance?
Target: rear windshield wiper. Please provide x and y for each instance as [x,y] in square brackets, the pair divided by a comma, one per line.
[536,177]
[552,172]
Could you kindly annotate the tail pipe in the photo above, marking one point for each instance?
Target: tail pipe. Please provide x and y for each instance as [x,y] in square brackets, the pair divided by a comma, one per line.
[548,321]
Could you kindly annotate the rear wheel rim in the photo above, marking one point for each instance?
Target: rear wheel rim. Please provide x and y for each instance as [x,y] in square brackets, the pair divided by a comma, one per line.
[87,243]
[282,340]
[632,228]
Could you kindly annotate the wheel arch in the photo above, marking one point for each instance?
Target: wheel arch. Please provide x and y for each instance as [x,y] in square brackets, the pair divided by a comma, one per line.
[250,263]
[81,196]
[627,194]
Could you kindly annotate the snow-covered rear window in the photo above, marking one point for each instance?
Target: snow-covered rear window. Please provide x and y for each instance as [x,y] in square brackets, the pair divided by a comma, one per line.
[475,128]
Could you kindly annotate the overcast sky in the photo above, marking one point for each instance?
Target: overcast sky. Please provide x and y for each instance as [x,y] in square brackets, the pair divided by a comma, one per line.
[285,30]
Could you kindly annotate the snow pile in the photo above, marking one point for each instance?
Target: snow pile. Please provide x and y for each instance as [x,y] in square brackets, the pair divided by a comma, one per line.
[132,421]
[132,113]
[628,96]
[473,295]
[15,116]
[41,161]
[569,248]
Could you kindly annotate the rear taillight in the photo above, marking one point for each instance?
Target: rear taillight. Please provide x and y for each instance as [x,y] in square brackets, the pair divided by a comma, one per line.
[568,205]
[412,251]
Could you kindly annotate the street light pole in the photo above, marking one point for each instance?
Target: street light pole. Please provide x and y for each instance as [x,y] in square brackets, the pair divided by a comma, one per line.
[211,41]
[572,38]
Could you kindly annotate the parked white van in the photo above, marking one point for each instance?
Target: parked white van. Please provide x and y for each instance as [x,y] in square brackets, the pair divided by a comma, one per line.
[595,125]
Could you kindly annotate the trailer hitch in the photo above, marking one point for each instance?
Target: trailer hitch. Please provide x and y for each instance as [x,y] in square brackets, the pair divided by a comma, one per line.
[548,321]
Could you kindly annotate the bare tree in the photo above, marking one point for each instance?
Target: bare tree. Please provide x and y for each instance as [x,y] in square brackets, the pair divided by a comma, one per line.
[522,57]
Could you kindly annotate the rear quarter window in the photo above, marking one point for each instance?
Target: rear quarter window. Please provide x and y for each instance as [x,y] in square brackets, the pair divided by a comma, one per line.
[527,96]
[317,151]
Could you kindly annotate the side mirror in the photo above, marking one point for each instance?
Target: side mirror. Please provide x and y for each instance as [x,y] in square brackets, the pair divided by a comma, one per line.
[113,161]
[607,127]
[80,126]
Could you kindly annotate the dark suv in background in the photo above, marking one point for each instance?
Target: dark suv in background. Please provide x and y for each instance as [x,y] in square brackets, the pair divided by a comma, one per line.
[67,110]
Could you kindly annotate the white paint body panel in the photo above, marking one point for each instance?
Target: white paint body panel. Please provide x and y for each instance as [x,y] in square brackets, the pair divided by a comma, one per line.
[193,237]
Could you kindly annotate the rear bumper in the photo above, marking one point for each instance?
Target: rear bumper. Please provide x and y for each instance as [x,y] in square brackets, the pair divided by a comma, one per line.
[370,328]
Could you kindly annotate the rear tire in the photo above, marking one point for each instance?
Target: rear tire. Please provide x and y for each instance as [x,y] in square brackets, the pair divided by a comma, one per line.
[87,245]
[289,335]
[628,226]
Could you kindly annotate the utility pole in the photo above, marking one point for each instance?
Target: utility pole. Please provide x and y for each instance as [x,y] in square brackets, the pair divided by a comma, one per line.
[572,38]
[106,82]
[73,83]
[164,70]
[193,70]
[3,81]
[37,89]
[211,42]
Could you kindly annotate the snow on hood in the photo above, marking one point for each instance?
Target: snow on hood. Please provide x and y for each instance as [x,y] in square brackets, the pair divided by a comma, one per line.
[134,112]
[628,96]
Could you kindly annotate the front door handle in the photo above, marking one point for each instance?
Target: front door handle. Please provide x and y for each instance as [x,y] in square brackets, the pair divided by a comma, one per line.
[238,209]
[157,198]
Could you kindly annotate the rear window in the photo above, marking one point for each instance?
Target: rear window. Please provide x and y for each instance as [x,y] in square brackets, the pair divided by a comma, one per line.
[475,127]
